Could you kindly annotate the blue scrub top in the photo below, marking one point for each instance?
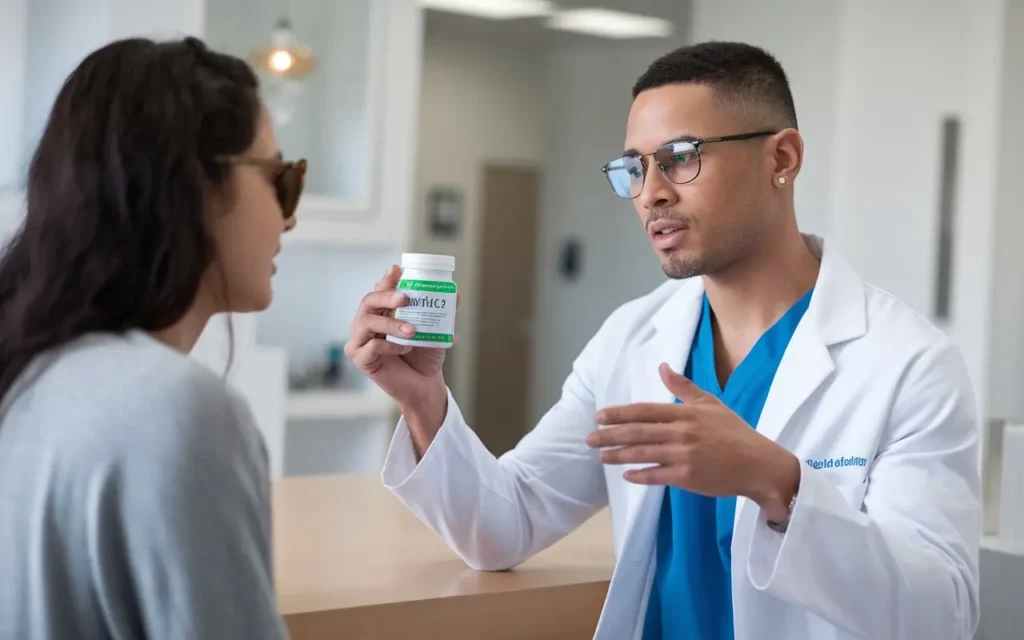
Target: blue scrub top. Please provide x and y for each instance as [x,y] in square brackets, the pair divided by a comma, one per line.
[691,598]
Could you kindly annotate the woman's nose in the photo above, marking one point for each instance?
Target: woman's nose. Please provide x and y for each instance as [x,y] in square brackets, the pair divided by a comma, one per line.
[290,223]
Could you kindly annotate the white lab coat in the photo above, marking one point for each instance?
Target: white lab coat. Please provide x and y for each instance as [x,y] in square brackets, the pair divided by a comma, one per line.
[888,550]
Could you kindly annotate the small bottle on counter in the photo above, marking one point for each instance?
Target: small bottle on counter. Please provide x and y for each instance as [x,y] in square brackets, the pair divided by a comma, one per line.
[427,282]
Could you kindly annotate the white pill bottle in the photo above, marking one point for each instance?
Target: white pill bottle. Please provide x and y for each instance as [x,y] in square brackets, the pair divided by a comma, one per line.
[427,282]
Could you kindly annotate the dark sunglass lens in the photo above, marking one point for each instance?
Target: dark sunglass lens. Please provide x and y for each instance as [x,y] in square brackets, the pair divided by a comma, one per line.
[289,188]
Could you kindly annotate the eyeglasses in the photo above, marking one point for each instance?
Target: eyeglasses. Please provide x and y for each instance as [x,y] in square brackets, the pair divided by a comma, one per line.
[679,162]
[289,179]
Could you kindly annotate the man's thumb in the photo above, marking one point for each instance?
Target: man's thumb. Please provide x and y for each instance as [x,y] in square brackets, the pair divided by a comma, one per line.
[682,387]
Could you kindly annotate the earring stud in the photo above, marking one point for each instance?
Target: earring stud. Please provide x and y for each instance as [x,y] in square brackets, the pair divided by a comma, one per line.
[782,180]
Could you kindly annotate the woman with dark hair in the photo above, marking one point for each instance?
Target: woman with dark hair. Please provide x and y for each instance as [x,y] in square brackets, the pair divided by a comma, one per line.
[133,483]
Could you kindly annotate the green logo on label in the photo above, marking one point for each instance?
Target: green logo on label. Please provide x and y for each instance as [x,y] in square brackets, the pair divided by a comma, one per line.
[427,285]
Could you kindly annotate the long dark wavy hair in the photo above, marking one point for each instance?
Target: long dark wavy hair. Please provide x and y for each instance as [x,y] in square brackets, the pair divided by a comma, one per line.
[115,236]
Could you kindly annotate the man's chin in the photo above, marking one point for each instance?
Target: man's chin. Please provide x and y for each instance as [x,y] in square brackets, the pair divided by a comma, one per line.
[679,266]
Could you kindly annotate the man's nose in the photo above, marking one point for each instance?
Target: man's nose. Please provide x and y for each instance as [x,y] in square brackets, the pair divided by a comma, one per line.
[658,192]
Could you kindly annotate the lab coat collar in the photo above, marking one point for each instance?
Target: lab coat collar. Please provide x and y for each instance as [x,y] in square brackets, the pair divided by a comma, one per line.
[836,313]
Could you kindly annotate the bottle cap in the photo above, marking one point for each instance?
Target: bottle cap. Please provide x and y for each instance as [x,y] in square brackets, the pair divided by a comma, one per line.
[428,261]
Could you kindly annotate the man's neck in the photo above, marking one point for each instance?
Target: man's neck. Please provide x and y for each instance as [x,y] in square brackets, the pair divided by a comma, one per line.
[752,295]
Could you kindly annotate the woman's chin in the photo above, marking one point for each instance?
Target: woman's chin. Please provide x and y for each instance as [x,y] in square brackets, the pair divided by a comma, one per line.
[257,301]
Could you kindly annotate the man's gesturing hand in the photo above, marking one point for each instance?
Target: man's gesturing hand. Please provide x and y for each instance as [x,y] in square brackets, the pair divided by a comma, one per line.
[700,445]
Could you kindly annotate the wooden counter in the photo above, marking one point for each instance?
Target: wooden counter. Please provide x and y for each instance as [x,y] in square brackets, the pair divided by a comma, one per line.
[352,562]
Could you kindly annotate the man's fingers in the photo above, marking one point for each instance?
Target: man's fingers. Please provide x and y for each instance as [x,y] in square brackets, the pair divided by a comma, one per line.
[625,435]
[682,387]
[390,279]
[365,356]
[370,327]
[642,454]
[642,412]
[652,476]
[382,301]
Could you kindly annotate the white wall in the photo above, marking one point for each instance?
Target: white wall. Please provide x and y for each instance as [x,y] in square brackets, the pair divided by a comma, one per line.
[872,81]
[480,103]
[903,67]
[1006,336]
[154,18]
[802,35]
[901,72]
[975,228]
[13,48]
[343,100]
[589,95]
[60,34]
[41,43]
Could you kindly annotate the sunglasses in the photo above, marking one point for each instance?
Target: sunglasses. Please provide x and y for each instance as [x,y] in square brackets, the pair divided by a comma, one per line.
[289,179]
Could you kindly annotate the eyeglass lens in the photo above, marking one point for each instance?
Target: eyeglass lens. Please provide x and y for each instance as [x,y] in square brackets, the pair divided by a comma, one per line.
[679,162]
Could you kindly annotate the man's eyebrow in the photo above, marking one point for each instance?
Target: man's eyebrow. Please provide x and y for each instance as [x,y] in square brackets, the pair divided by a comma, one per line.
[686,137]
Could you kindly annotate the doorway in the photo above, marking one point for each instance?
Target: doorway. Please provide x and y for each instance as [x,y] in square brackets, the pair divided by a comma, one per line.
[505,316]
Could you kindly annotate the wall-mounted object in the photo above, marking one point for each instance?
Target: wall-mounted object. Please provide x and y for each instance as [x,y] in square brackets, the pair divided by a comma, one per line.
[1003,482]
[992,475]
[444,212]
[570,259]
[1011,489]
[950,149]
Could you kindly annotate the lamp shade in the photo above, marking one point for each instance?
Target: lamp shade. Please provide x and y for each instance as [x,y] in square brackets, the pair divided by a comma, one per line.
[284,56]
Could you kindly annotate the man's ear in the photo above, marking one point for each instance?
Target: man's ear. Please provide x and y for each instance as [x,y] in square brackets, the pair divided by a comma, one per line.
[787,156]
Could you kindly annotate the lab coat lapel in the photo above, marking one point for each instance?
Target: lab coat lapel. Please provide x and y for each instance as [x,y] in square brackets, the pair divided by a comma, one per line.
[804,366]
[669,339]
[666,339]
[837,312]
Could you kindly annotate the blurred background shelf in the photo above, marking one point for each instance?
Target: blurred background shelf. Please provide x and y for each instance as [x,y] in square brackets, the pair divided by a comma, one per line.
[339,404]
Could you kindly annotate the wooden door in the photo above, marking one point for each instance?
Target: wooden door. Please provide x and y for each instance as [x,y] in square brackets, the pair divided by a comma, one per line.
[507,262]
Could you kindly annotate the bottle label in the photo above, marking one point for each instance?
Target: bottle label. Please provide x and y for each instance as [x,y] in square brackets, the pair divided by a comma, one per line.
[431,309]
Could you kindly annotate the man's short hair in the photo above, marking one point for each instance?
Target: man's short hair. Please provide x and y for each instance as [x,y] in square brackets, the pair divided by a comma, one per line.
[736,73]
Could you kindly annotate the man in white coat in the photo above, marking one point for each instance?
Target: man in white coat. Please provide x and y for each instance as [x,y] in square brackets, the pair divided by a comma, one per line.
[786,451]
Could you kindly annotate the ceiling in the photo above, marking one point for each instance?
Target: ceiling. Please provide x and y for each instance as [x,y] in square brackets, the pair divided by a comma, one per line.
[533,32]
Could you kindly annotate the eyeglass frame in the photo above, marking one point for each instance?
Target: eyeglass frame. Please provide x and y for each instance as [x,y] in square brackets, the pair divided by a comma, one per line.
[695,143]
[279,164]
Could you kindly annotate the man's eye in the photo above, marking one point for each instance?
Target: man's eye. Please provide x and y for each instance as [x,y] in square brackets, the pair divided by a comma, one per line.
[681,157]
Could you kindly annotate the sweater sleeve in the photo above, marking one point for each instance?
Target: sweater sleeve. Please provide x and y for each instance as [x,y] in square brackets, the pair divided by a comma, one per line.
[180,529]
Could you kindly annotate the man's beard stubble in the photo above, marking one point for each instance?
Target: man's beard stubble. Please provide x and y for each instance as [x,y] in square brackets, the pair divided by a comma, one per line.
[714,260]
[677,267]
